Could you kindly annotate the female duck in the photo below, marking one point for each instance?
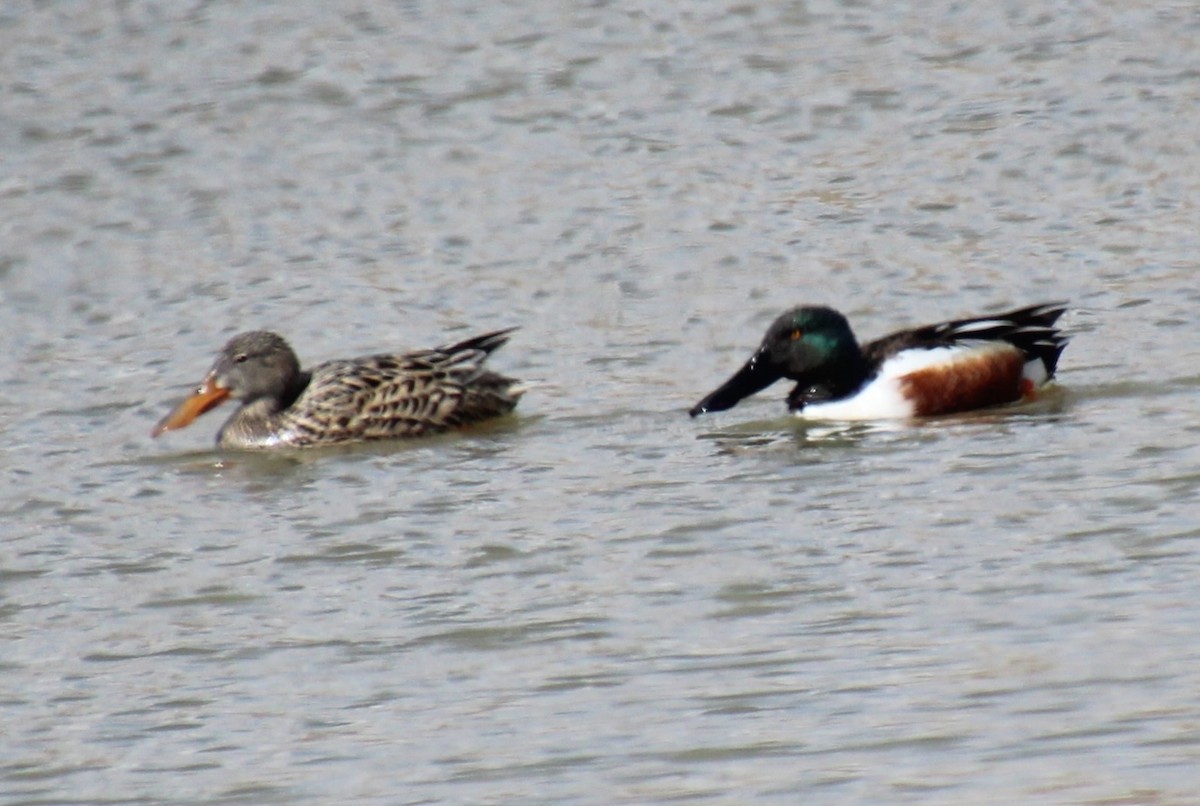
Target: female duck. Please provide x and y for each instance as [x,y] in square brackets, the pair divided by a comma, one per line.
[385,396]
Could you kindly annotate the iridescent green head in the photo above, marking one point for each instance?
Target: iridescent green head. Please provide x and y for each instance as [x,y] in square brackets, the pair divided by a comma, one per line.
[809,345]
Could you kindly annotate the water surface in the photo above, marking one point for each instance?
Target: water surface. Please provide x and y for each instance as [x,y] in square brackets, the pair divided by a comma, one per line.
[598,600]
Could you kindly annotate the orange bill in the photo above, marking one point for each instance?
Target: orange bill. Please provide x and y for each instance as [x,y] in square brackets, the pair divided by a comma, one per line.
[208,396]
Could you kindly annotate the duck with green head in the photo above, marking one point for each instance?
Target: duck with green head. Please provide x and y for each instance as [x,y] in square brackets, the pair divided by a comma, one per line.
[942,368]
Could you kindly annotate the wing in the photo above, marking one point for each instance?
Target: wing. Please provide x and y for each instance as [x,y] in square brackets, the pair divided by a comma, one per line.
[398,395]
[1031,330]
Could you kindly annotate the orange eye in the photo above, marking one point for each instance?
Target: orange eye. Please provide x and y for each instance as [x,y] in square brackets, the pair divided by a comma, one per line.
[796,334]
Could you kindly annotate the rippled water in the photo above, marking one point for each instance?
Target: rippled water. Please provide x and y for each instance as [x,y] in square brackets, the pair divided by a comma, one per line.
[598,600]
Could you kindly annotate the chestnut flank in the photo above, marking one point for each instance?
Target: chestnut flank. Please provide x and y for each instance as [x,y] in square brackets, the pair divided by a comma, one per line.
[986,377]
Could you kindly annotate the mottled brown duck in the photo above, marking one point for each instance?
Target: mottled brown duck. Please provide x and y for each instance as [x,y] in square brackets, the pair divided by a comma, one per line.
[385,396]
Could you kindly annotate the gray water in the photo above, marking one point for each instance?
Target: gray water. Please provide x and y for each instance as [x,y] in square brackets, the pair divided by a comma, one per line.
[598,600]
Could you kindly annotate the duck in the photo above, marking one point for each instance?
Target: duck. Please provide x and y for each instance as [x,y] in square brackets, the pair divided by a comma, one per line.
[944,368]
[383,396]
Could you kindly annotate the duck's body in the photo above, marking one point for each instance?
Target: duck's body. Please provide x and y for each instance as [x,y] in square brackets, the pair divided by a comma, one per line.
[943,368]
[384,396]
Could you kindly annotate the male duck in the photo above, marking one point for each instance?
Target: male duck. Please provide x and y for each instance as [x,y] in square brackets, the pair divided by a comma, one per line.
[386,396]
[936,369]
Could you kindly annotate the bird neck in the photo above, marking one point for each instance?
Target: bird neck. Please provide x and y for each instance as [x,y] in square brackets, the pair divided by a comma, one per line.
[256,421]
[296,388]
[838,379]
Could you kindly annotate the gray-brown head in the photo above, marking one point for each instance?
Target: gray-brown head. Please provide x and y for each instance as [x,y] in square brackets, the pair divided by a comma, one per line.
[251,366]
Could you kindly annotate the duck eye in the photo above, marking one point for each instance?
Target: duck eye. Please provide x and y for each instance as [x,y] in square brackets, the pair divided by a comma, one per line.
[796,333]
[240,358]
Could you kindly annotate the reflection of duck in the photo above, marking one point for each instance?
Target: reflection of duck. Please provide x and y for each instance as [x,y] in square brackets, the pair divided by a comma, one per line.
[386,396]
[937,369]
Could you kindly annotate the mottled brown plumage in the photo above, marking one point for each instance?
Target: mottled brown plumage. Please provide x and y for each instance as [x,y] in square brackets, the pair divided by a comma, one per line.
[385,396]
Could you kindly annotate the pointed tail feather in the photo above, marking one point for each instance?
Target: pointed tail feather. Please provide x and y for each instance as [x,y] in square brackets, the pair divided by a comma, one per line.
[487,342]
